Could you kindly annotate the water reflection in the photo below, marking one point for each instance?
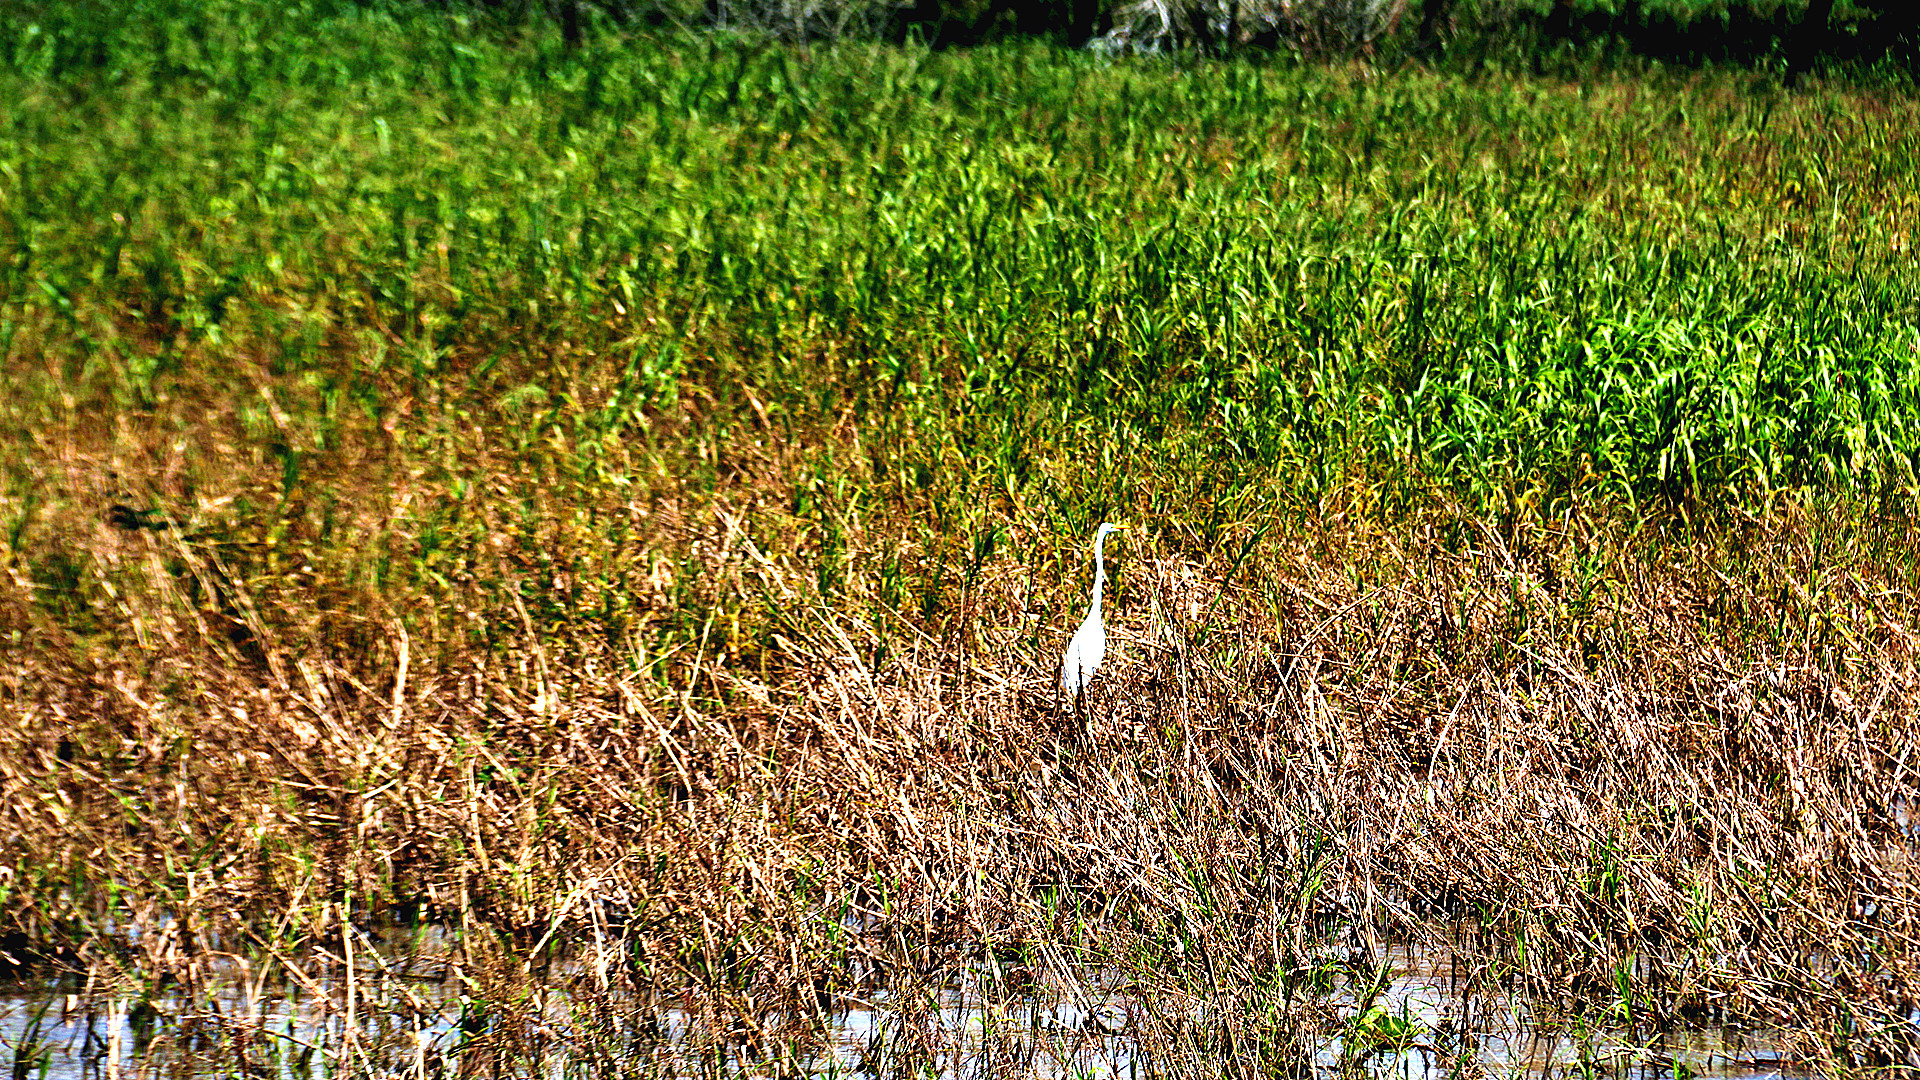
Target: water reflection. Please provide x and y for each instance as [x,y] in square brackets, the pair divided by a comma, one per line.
[1420,1026]
[1445,1035]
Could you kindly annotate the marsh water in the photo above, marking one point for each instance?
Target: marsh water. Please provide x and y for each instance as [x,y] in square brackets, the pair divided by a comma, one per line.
[1425,1026]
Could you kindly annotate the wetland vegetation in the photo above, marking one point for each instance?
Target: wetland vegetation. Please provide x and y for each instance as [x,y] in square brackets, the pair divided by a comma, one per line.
[546,557]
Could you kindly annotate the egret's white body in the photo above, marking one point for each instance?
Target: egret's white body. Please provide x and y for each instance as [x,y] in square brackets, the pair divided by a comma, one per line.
[1089,644]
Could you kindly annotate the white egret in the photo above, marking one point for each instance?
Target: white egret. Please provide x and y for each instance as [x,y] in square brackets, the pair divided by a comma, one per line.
[1089,644]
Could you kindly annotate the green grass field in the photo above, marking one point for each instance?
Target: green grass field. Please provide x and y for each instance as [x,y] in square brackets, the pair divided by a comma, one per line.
[441,468]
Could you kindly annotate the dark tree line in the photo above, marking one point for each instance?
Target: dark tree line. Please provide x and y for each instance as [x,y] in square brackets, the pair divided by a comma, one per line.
[1799,35]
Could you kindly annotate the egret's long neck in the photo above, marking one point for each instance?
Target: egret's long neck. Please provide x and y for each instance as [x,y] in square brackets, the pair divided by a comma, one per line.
[1099,571]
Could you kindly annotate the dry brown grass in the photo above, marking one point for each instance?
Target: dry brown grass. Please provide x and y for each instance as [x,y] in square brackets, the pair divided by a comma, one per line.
[1373,735]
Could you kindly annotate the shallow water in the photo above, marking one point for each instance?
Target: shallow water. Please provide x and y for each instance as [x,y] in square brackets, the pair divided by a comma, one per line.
[1451,1036]
[53,1034]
